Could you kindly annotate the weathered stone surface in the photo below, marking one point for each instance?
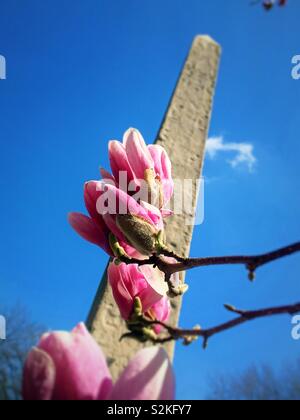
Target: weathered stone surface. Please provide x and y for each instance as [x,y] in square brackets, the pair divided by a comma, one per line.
[183,133]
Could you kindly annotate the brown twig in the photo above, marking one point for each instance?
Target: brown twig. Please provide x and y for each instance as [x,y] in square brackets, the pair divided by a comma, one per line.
[251,262]
[189,335]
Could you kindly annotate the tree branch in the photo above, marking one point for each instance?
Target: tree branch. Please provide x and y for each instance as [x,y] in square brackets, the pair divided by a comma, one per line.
[251,262]
[189,335]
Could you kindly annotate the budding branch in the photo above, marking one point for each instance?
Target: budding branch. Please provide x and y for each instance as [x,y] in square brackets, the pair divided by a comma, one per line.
[251,262]
[188,335]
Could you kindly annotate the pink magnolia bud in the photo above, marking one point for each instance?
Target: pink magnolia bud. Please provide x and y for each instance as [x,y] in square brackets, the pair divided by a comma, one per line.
[71,366]
[66,366]
[138,154]
[130,281]
[103,202]
[145,167]
[141,234]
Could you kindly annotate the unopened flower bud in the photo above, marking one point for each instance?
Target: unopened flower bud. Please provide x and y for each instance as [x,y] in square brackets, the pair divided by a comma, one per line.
[116,248]
[251,275]
[178,291]
[142,235]
[149,334]
[138,307]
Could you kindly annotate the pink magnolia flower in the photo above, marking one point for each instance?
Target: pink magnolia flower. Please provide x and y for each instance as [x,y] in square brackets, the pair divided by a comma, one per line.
[112,211]
[144,166]
[148,376]
[161,310]
[71,366]
[131,281]
[66,366]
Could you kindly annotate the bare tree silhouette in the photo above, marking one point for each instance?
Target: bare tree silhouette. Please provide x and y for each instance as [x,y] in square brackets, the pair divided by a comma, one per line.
[258,384]
[21,335]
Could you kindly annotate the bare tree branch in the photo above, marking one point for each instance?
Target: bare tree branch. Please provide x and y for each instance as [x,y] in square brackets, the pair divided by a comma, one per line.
[189,335]
[141,327]
[22,334]
[251,262]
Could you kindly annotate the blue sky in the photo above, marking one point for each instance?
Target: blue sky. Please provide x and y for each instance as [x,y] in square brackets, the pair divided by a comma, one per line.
[80,73]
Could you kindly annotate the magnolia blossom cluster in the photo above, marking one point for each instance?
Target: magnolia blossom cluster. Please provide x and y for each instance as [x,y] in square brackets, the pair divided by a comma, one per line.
[126,211]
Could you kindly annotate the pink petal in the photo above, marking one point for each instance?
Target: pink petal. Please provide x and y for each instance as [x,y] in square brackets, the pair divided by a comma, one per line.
[89,231]
[137,152]
[121,288]
[107,176]
[156,280]
[161,311]
[163,169]
[155,214]
[132,252]
[166,213]
[92,192]
[162,163]
[130,281]
[146,285]
[125,203]
[38,376]
[81,369]
[148,376]
[107,215]
[119,161]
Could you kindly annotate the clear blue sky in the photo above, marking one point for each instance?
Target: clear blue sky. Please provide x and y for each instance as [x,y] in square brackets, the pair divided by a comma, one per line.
[80,72]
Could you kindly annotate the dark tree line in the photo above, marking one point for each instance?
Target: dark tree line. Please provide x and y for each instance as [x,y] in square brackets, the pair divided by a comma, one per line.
[258,384]
[21,335]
